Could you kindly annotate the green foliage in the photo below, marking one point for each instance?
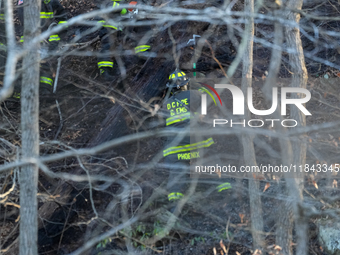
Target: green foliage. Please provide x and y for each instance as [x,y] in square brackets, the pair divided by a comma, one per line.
[143,232]
[197,240]
[103,243]
[221,236]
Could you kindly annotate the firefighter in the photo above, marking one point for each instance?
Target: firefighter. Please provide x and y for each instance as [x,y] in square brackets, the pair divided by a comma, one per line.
[52,13]
[180,109]
[141,35]
[108,37]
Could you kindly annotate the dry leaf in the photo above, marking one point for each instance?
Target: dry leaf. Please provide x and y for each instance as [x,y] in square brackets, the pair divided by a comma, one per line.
[214,250]
[335,184]
[266,187]
[263,77]
[325,94]
[257,252]
[241,215]
[278,248]
[338,74]
[315,185]
[218,172]
[237,253]
[223,246]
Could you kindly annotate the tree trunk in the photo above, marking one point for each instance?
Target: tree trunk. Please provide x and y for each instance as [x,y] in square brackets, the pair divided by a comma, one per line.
[284,221]
[30,133]
[300,76]
[247,140]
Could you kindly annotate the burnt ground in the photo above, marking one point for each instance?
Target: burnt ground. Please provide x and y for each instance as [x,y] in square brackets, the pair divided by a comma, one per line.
[94,111]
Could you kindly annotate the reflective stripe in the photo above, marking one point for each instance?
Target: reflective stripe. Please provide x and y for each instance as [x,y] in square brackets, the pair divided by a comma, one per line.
[54,38]
[105,64]
[22,39]
[115,4]
[62,22]
[46,15]
[175,196]
[223,186]
[177,118]
[103,21]
[2,16]
[179,74]
[46,80]
[142,48]
[188,147]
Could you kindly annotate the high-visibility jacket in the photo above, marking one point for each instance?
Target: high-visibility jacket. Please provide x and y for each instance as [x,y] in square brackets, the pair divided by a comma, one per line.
[105,61]
[181,106]
[51,10]
[180,109]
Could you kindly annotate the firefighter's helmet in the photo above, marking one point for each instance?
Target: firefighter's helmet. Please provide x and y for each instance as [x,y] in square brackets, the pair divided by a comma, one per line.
[178,79]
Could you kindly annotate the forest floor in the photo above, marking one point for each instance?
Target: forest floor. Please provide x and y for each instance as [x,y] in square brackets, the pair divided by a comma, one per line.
[210,218]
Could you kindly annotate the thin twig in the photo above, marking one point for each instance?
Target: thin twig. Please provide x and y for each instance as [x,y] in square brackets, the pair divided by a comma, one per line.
[176,57]
[218,62]
[57,75]
[61,120]
[81,44]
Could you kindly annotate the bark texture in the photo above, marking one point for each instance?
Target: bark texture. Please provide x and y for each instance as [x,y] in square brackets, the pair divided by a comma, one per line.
[299,148]
[294,151]
[247,140]
[30,133]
